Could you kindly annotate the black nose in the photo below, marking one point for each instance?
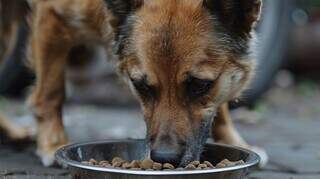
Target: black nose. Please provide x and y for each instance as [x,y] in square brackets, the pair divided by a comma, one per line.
[166,157]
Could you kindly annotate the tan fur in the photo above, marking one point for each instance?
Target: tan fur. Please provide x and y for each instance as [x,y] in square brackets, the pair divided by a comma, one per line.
[57,27]
[224,131]
[171,39]
[189,37]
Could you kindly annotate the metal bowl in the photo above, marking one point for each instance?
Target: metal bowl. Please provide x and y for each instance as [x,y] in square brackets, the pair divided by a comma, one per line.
[72,155]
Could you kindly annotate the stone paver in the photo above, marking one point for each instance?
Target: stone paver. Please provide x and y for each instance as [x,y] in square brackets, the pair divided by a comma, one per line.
[275,175]
[286,125]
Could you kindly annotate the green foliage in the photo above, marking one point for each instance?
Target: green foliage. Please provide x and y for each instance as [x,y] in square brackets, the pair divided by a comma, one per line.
[308,88]
[310,3]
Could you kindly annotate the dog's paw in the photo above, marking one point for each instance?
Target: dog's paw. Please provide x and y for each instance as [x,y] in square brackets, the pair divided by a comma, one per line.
[47,156]
[264,158]
[48,145]
[21,133]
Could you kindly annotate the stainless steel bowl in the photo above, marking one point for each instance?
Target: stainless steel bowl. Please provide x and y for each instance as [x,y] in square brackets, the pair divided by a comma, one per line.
[72,155]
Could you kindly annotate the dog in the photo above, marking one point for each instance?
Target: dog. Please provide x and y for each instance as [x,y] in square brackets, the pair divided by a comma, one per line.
[183,59]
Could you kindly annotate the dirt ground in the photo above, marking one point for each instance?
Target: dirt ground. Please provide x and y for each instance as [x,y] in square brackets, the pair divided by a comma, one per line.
[286,123]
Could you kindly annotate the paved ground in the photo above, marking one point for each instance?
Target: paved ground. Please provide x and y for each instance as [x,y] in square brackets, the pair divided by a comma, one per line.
[286,124]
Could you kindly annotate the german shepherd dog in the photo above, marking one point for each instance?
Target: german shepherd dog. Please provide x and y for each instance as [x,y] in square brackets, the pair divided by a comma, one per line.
[183,59]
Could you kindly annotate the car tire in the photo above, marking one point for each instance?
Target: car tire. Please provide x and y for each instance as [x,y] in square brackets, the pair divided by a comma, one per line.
[272,35]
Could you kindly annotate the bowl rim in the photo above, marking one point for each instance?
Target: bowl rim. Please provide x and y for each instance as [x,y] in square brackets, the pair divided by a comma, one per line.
[253,160]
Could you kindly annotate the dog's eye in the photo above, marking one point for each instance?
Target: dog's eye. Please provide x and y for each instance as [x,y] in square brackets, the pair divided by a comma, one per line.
[196,88]
[143,88]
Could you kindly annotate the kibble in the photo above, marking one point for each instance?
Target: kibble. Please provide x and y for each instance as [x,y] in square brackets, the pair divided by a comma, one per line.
[117,162]
[221,165]
[202,166]
[168,166]
[191,167]
[126,165]
[116,159]
[195,163]
[135,164]
[147,164]
[93,162]
[228,163]
[157,166]
[150,165]
[104,162]
[208,164]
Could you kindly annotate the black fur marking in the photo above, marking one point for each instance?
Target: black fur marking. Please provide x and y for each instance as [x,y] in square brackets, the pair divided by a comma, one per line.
[144,89]
[122,8]
[232,13]
[123,11]
[195,143]
[231,24]
[197,88]
[238,45]
[122,36]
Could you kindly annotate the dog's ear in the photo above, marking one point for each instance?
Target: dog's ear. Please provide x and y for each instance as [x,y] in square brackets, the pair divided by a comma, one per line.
[121,9]
[237,16]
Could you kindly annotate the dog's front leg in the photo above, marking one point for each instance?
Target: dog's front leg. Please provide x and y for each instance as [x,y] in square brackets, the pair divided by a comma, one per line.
[50,45]
[223,131]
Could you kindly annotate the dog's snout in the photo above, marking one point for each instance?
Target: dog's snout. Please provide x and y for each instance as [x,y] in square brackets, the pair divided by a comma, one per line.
[170,156]
[167,149]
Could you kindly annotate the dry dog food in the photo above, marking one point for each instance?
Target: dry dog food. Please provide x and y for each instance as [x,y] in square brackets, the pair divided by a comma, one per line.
[150,165]
[227,163]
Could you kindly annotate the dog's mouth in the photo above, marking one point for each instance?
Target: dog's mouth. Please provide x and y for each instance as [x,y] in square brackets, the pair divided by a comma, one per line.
[190,152]
[195,145]
[168,148]
[193,151]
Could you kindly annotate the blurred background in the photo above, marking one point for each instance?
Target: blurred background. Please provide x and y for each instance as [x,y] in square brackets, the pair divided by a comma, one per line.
[280,111]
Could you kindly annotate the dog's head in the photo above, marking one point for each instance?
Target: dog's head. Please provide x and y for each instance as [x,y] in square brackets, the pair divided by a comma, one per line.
[183,59]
